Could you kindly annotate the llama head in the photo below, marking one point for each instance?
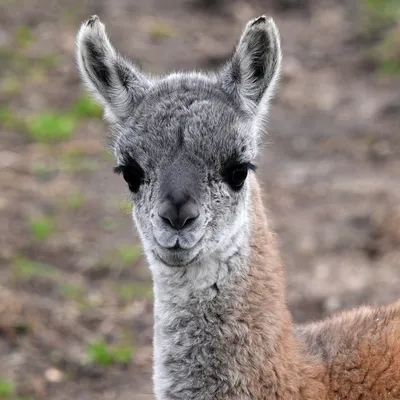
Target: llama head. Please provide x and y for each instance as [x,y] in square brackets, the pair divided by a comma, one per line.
[185,143]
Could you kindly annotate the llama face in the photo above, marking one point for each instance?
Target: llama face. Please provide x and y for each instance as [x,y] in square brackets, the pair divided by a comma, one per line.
[185,144]
[185,153]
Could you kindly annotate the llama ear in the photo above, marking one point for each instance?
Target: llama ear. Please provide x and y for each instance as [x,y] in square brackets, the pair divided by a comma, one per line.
[254,69]
[116,83]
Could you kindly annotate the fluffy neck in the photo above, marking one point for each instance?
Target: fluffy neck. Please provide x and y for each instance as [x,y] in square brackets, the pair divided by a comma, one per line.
[222,329]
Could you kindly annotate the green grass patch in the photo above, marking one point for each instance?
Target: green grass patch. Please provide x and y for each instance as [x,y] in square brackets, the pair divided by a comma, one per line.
[75,201]
[7,388]
[23,36]
[381,12]
[73,291]
[387,53]
[390,67]
[108,224]
[127,255]
[102,354]
[86,107]
[9,119]
[134,290]
[75,160]
[122,354]
[24,269]
[161,30]
[381,24]
[42,228]
[78,293]
[51,127]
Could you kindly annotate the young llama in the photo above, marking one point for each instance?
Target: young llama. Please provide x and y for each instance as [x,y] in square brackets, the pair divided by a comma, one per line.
[185,144]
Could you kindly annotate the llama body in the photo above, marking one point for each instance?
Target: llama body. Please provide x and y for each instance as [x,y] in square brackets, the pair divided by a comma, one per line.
[226,335]
[185,145]
[236,340]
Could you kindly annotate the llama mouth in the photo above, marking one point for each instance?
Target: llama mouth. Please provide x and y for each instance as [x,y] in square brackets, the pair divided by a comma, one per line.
[176,244]
[180,258]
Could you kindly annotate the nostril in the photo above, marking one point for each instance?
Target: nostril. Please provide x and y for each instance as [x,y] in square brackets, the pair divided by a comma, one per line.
[167,220]
[178,216]
[188,213]
[168,213]
[189,220]
[167,217]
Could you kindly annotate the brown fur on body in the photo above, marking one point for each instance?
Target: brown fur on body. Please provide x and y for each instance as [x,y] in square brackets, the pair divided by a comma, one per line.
[353,355]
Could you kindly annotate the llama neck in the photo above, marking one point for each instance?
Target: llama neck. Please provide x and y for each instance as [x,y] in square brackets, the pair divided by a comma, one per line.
[222,329]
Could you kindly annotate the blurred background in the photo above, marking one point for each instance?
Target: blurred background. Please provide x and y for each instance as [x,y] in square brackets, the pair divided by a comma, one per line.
[75,292]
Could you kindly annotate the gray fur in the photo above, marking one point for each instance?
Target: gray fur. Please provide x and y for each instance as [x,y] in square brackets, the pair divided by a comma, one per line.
[191,122]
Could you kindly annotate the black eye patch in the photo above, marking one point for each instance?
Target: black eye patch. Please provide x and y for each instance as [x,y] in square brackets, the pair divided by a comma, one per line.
[235,173]
[132,173]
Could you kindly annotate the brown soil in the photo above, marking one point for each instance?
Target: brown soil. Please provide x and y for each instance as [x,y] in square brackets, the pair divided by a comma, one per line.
[331,172]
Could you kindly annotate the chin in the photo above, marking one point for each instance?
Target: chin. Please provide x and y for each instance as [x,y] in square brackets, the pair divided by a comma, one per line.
[176,258]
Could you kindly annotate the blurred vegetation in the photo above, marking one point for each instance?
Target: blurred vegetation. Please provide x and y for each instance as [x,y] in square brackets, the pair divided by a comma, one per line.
[380,13]
[105,355]
[127,255]
[75,160]
[123,205]
[7,118]
[77,293]
[106,279]
[42,227]
[23,36]
[75,200]
[387,53]
[51,126]
[48,126]
[7,388]
[161,30]
[134,290]
[86,107]
[24,269]
[8,391]
[381,24]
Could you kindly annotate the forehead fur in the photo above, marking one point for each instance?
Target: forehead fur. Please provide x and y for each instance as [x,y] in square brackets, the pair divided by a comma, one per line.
[189,114]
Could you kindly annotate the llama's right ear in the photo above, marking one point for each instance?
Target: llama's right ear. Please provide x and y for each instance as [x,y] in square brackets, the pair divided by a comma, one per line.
[253,71]
[116,83]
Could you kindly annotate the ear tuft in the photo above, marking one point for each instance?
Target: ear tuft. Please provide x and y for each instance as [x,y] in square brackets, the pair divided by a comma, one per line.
[252,74]
[116,83]
[258,20]
[255,66]
[92,20]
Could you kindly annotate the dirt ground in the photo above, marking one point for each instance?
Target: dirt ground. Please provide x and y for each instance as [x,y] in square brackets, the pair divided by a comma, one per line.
[72,276]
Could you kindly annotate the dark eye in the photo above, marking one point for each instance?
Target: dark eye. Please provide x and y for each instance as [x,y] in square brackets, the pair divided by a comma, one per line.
[235,175]
[132,173]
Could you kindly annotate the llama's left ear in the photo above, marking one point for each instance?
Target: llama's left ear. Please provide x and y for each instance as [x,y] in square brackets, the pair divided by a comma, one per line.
[253,71]
[115,82]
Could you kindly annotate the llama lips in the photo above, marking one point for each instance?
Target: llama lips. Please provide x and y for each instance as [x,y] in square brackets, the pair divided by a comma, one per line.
[176,243]
[176,257]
